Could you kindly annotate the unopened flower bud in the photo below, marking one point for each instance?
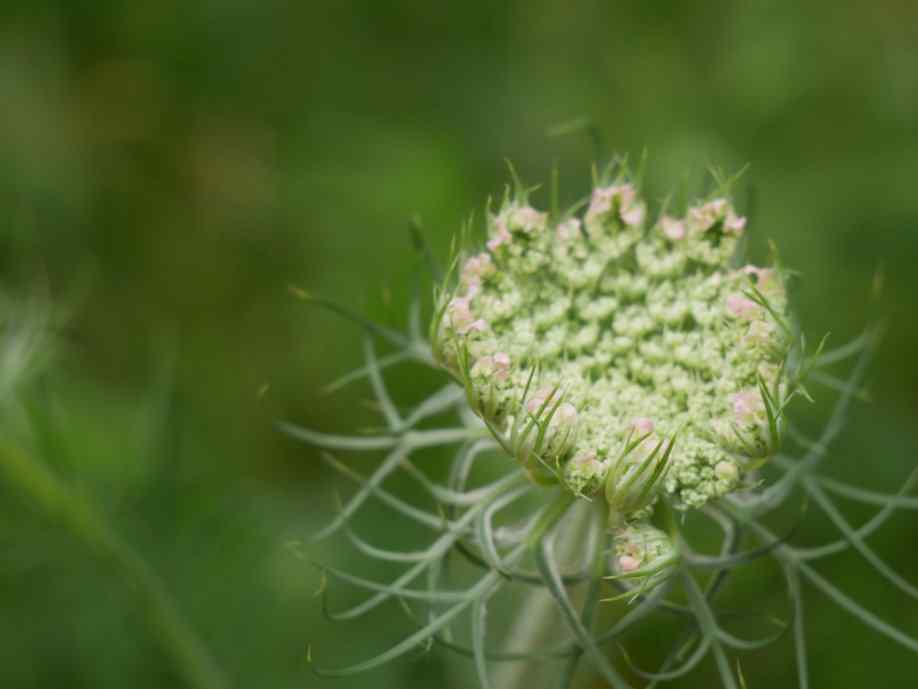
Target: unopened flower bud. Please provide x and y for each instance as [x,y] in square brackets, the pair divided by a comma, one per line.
[583,470]
[601,201]
[528,219]
[704,217]
[459,314]
[567,413]
[734,224]
[642,425]
[476,268]
[643,549]
[568,230]
[741,307]
[501,365]
[672,228]
[726,471]
[634,214]
[542,398]
[628,563]
[748,406]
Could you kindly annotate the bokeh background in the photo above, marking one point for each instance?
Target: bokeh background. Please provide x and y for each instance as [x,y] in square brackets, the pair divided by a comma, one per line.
[169,169]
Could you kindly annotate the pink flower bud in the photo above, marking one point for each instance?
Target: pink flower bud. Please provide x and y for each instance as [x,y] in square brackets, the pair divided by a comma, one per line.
[734,224]
[717,206]
[476,267]
[501,236]
[672,228]
[704,217]
[568,230]
[540,398]
[496,366]
[567,413]
[587,461]
[747,405]
[741,307]
[501,366]
[633,215]
[627,563]
[642,425]
[484,366]
[601,201]
[460,316]
[475,327]
[528,219]
[626,193]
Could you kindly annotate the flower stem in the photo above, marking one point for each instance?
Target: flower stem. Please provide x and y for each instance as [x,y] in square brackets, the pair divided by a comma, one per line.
[192,659]
[540,608]
[550,517]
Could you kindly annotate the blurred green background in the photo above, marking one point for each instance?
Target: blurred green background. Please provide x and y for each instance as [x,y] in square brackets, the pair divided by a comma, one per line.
[172,167]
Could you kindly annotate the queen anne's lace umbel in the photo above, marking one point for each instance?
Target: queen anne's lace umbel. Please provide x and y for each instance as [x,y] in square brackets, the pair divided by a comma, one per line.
[630,364]
[614,351]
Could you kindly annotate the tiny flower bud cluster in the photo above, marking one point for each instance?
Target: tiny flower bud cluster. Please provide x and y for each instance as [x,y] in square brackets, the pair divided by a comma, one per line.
[643,551]
[610,334]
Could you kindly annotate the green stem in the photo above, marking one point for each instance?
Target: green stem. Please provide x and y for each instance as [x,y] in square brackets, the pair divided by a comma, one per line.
[55,499]
[590,604]
[550,517]
[540,608]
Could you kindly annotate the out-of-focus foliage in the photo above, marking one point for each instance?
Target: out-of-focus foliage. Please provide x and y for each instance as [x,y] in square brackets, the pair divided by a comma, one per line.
[167,169]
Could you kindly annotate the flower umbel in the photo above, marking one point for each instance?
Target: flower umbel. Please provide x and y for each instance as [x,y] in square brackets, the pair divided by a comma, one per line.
[622,317]
[621,383]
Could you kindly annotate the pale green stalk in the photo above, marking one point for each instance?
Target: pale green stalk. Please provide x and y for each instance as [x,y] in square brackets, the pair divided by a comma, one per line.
[538,611]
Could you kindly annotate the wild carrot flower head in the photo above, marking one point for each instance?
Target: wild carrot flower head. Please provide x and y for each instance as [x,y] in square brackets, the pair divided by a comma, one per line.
[615,365]
[618,328]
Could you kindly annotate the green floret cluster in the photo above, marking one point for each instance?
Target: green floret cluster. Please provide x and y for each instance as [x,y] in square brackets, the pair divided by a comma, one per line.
[643,549]
[613,351]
